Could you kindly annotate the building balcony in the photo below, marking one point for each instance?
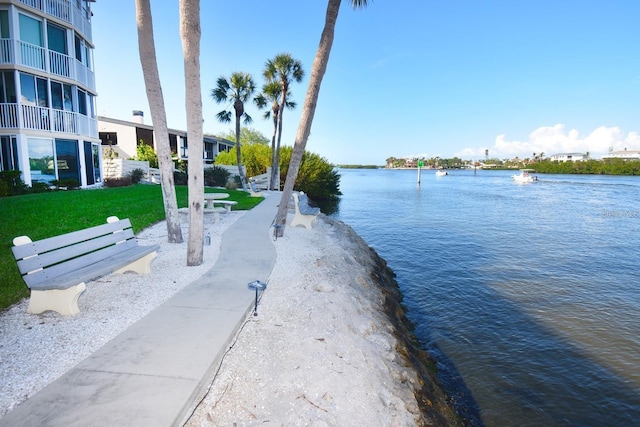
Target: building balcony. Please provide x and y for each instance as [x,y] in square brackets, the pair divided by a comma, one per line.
[41,59]
[64,10]
[20,116]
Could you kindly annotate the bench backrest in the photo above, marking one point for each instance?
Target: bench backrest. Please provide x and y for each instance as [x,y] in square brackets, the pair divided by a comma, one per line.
[51,257]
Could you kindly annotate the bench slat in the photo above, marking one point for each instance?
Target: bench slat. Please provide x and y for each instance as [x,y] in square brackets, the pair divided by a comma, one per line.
[50,243]
[104,264]
[43,260]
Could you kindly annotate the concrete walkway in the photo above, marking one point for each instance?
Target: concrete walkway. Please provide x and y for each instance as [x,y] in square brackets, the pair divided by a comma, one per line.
[152,373]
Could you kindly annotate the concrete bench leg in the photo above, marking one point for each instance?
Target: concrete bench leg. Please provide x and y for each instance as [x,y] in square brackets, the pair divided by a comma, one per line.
[141,266]
[63,301]
[304,220]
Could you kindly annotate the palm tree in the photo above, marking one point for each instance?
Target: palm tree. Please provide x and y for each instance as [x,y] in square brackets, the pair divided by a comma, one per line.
[308,110]
[190,34]
[282,69]
[238,90]
[146,46]
[270,93]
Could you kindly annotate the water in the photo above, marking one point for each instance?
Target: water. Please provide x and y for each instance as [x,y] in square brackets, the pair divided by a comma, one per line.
[527,295]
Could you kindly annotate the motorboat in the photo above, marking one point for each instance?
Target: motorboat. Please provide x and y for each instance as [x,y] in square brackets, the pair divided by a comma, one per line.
[441,172]
[525,177]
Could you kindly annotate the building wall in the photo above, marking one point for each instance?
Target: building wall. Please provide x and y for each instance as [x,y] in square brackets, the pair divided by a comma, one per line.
[48,128]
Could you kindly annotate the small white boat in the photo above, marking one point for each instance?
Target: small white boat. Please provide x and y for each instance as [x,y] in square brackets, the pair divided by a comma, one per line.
[441,172]
[525,177]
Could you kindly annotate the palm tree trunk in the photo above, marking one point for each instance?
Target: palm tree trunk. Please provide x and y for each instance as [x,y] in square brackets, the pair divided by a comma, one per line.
[146,46]
[275,168]
[274,163]
[239,107]
[311,99]
[190,34]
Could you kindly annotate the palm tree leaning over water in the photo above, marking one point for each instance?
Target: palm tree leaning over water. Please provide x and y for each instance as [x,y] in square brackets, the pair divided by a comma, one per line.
[190,34]
[238,90]
[284,70]
[308,110]
[147,49]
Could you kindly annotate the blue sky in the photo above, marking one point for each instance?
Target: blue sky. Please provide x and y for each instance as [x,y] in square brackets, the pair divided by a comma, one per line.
[406,78]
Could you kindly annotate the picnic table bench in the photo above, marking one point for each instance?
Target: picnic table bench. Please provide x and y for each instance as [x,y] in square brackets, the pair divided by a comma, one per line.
[305,215]
[56,268]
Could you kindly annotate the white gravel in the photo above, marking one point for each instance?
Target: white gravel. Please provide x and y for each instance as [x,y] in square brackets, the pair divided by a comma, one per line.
[37,349]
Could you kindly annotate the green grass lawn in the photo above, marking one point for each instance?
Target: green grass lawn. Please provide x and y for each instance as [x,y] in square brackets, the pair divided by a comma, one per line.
[49,214]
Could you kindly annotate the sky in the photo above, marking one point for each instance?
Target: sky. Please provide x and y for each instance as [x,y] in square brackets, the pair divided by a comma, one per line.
[406,78]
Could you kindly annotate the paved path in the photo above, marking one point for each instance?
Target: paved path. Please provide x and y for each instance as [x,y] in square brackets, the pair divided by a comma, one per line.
[152,373]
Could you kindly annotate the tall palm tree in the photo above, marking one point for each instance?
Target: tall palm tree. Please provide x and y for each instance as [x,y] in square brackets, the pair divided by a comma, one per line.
[146,46]
[238,90]
[283,69]
[190,34]
[308,110]
[270,93]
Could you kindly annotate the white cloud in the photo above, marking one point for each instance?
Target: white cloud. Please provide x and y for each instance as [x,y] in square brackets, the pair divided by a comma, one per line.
[556,139]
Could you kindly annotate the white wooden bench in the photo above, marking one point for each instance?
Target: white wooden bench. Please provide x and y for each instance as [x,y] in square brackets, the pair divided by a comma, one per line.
[56,268]
[305,215]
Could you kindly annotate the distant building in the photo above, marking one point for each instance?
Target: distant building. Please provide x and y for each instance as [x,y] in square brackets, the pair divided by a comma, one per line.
[125,136]
[48,128]
[569,157]
[623,154]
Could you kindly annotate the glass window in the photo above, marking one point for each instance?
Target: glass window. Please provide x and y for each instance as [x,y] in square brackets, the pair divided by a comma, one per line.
[56,38]
[41,159]
[78,46]
[27,89]
[4,24]
[43,92]
[61,98]
[67,162]
[7,88]
[82,102]
[8,153]
[30,30]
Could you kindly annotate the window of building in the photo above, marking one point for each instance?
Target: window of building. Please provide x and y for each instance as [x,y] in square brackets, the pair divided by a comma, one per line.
[30,30]
[56,38]
[61,96]
[33,90]
[8,153]
[82,102]
[4,24]
[41,159]
[108,138]
[67,159]
[7,87]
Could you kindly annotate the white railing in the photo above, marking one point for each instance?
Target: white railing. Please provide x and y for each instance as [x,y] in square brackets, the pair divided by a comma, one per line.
[59,64]
[31,55]
[6,51]
[9,115]
[65,121]
[84,75]
[60,9]
[35,117]
[82,21]
[41,118]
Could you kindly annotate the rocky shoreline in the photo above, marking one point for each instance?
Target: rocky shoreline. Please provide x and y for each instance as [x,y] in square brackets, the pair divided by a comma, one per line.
[432,400]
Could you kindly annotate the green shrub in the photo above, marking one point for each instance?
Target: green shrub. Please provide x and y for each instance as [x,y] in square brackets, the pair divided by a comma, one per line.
[180,178]
[123,181]
[11,184]
[146,152]
[136,175]
[216,176]
[39,187]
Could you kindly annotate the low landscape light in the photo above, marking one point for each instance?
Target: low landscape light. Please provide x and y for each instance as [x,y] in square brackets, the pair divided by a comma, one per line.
[258,286]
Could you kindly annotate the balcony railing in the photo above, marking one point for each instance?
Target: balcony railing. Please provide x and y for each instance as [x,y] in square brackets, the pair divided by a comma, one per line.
[32,117]
[39,58]
[65,10]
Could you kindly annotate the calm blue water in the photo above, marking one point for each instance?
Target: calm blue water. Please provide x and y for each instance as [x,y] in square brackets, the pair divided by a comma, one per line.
[528,295]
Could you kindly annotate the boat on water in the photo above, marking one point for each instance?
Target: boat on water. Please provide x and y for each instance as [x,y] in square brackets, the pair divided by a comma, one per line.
[525,177]
[441,172]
